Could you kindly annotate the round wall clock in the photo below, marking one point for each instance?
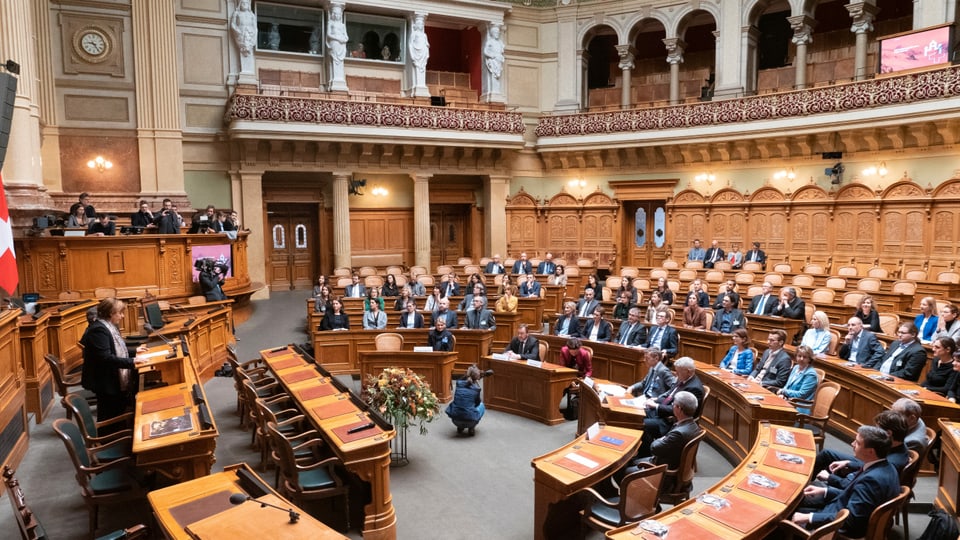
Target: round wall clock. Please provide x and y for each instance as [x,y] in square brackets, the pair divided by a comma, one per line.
[93,43]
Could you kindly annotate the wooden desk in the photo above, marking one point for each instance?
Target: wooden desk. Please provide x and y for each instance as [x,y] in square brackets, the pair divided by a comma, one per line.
[531,311]
[756,515]
[611,361]
[435,367]
[68,322]
[368,458]
[34,344]
[13,411]
[204,503]
[518,388]
[555,512]
[732,415]
[760,327]
[703,345]
[178,456]
[948,490]
[207,334]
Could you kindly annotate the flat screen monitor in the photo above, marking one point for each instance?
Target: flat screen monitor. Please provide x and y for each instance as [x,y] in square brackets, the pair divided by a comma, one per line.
[916,50]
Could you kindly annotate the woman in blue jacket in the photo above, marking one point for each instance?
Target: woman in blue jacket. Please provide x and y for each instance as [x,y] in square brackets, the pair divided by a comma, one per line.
[467,408]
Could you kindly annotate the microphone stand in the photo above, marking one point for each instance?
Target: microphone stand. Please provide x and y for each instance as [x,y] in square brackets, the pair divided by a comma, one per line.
[240,498]
[170,343]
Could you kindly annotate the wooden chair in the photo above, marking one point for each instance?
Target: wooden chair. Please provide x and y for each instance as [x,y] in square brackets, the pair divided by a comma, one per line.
[808,309]
[372,281]
[30,527]
[709,317]
[904,286]
[878,272]
[820,409]
[908,478]
[775,278]
[752,266]
[427,280]
[101,447]
[916,275]
[471,269]
[445,269]
[464,261]
[635,500]
[606,294]
[367,271]
[401,280]
[827,531]
[389,341]
[813,269]
[591,411]
[823,296]
[834,345]
[802,280]
[881,518]
[744,278]
[889,323]
[783,267]
[614,282]
[836,282]
[853,298]
[395,270]
[630,271]
[343,271]
[67,384]
[670,264]
[103,483]
[714,276]
[674,285]
[754,290]
[543,349]
[869,284]
[485,260]
[344,282]
[657,273]
[686,274]
[416,271]
[197,300]
[847,271]
[722,265]
[641,284]
[820,375]
[693,264]
[104,292]
[679,481]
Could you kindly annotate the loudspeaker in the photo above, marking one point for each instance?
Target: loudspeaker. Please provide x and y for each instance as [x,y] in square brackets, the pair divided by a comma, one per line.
[8,93]
[438,101]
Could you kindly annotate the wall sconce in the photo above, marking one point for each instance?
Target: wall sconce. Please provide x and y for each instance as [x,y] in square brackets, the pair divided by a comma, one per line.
[100,164]
[709,178]
[379,191]
[577,182]
[789,174]
[878,170]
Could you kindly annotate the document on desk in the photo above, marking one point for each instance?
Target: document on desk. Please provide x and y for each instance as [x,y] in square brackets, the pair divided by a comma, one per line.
[613,390]
[423,348]
[154,354]
[579,462]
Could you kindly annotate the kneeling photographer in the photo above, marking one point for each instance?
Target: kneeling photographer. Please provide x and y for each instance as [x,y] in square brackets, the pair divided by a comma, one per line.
[211,279]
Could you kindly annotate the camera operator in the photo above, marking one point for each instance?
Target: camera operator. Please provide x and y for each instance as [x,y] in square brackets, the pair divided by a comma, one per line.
[168,220]
[211,279]
[467,408]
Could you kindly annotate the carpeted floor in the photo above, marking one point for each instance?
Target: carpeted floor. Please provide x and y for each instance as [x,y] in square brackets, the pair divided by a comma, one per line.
[453,488]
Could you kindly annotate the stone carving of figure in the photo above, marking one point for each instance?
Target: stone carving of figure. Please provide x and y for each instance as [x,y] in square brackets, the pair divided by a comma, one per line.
[273,37]
[315,36]
[419,53]
[493,60]
[337,47]
[243,24]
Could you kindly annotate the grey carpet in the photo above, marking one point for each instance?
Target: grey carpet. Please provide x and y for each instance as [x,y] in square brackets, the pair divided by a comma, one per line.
[453,488]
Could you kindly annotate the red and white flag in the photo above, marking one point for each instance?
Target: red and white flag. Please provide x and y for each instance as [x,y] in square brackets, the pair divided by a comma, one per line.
[8,259]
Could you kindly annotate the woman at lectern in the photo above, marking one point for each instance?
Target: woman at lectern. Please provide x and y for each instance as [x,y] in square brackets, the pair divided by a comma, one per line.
[467,408]
[335,318]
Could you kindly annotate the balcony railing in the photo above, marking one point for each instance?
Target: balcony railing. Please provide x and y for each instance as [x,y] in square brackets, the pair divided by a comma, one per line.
[891,90]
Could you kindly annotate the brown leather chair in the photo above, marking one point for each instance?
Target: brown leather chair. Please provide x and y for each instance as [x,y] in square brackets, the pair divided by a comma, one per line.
[820,409]
[389,341]
[636,499]
[679,481]
[881,518]
[827,531]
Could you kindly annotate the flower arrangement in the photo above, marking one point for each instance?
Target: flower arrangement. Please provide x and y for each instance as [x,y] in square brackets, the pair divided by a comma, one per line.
[403,395]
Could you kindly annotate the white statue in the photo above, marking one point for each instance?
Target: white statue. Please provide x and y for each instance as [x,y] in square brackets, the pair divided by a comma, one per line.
[337,48]
[493,61]
[244,27]
[419,53]
[315,37]
[273,37]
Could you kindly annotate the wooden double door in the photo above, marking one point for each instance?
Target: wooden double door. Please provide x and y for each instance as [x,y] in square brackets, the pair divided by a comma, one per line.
[644,233]
[451,233]
[293,248]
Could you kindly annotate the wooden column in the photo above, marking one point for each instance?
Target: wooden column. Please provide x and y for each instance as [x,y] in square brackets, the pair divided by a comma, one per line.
[421,219]
[341,220]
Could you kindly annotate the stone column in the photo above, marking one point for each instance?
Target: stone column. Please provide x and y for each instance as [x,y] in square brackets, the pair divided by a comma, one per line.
[341,219]
[802,26]
[749,37]
[47,99]
[627,54]
[251,210]
[568,74]
[159,133]
[862,14]
[421,219]
[495,192]
[675,48]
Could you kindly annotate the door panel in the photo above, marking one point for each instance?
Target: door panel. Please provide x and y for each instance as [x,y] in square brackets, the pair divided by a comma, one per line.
[449,230]
[293,253]
[643,233]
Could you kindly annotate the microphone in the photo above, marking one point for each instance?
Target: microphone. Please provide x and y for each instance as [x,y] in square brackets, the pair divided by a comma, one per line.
[185,313]
[170,343]
[240,498]
[358,429]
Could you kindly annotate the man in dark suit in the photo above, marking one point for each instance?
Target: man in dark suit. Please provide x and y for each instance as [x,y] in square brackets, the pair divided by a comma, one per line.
[789,306]
[523,346]
[530,288]
[668,448]
[659,411]
[522,265]
[547,266]
[494,266]
[659,378]
[713,254]
[168,221]
[450,287]
[587,304]
[568,324]
[773,369]
[663,337]
[597,329]
[860,345]
[144,217]
[479,318]
[905,357]
[727,289]
[837,469]
[728,318]
[763,303]
[410,318]
[444,312]
[102,226]
[631,330]
[696,288]
[756,255]
[878,483]
[355,289]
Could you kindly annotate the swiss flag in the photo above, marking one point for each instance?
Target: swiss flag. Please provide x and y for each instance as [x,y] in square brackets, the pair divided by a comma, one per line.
[8,259]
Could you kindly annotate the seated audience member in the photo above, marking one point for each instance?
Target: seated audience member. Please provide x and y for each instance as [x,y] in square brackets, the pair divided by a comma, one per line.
[410,318]
[905,357]
[763,303]
[659,410]
[547,266]
[713,255]
[729,288]
[802,382]
[774,366]
[836,469]
[433,301]
[574,356]
[729,318]
[659,378]
[78,217]
[507,303]
[817,337]
[355,289]
[694,316]
[523,345]
[588,304]
[927,321]
[444,312]
[450,287]
[867,312]
[948,325]
[655,305]
[506,282]
[735,257]
[400,304]
[940,373]
[467,408]
[373,297]
[169,220]
[626,285]
[88,209]
[558,277]
[568,324]
[756,255]
[916,437]
[103,226]
[878,484]
[530,288]
[739,358]
[668,448]
[473,280]
[632,332]
[143,217]
[593,284]
[622,307]
[953,389]
[697,252]
[374,318]
[335,318]
[597,329]
[666,294]
[790,306]
[860,345]
[663,337]
[477,291]
[230,222]
[479,318]
[439,338]
[494,266]
[416,287]
[522,265]
[696,289]
[390,288]
[321,281]
[321,301]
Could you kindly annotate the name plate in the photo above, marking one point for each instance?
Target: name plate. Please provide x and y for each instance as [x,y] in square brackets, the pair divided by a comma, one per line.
[535,363]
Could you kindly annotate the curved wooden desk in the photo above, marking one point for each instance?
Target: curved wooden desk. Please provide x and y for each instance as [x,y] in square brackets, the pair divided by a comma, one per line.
[13,413]
[68,322]
[37,377]
[435,367]
[525,390]
[611,361]
[751,515]
[948,489]
[556,477]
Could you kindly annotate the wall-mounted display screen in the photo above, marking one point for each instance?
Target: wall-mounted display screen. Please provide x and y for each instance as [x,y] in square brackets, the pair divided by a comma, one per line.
[915,50]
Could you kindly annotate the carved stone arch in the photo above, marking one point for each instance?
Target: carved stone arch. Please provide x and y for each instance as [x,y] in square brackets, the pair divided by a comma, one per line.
[646,23]
[948,189]
[688,14]
[598,198]
[588,32]
[903,189]
[810,192]
[767,194]
[726,195]
[855,192]
[562,199]
[688,196]
[522,198]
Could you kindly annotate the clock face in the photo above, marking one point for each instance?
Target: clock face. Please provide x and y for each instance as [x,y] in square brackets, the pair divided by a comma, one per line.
[93,43]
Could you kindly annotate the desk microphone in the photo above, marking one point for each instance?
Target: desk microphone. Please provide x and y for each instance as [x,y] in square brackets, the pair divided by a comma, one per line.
[170,343]
[358,429]
[240,498]
[185,313]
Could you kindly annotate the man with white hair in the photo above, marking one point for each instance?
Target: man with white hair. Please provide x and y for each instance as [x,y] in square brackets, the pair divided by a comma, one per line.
[659,411]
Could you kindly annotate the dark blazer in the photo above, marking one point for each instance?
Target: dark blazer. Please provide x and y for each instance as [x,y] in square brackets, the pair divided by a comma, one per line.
[546,267]
[756,255]
[870,349]
[737,320]
[354,291]
[870,322]
[873,487]
[167,222]
[110,229]
[658,380]
[796,309]
[573,329]
[141,219]
[665,400]
[703,299]
[908,363]
[779,371]
[603,333]
[480,320]
[417,320]
[530,289]
[772,301]
[522,267]
[440,341]
[633,339]
[668,343]
[591,307]
[445,289]
[667,449]
[100,361]
[493,268]
[710,255]
[451,317]
[734,297]
[335,322]
[528,350]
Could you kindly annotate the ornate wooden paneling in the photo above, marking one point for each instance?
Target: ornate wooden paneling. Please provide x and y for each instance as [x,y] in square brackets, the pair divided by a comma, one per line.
[381,235]
[13,414]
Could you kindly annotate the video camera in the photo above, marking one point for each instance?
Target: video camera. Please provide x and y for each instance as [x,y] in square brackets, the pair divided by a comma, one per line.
[208,264]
